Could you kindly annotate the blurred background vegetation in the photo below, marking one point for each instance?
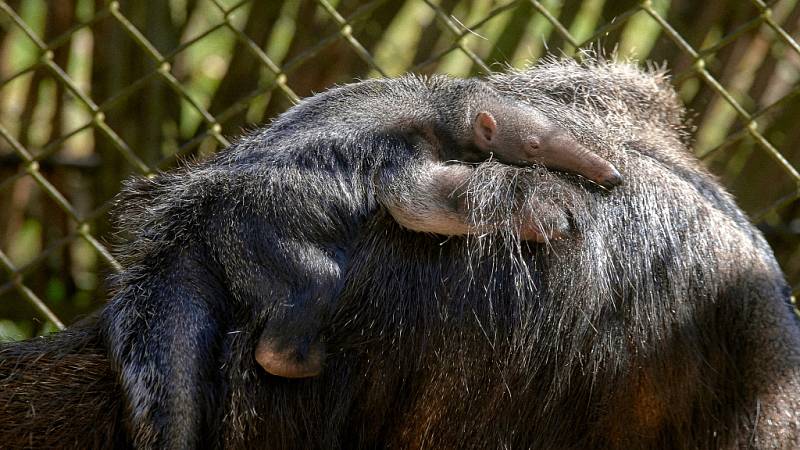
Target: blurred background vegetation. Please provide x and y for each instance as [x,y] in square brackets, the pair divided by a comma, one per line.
[92,91]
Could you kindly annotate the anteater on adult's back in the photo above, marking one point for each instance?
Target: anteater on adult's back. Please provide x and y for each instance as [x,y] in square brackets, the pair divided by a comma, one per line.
[659,319]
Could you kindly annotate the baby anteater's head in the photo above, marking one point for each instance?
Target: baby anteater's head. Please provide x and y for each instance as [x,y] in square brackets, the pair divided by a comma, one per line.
[518,134]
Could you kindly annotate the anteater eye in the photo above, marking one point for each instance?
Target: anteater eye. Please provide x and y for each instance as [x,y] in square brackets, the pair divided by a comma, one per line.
[533,142]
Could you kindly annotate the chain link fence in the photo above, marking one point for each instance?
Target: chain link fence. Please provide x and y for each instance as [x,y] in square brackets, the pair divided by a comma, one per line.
[93,91]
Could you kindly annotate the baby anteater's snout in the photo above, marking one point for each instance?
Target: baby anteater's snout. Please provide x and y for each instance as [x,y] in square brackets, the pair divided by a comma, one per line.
[611,178]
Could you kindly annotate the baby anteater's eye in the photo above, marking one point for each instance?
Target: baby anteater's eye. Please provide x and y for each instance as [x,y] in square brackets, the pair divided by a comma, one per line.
[533,142]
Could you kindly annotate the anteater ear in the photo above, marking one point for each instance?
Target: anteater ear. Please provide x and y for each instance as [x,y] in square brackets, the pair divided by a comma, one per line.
[485,129]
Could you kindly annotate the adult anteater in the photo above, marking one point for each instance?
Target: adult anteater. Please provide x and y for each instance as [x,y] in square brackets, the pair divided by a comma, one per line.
[659,319]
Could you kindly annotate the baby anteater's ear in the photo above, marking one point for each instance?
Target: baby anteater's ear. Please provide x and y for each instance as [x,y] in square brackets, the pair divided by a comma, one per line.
[484,129]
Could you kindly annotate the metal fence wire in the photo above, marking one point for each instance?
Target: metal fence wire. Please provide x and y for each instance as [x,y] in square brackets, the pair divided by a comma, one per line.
[92,91]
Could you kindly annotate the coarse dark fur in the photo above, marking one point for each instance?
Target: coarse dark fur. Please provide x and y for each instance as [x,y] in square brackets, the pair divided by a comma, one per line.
[661,320]
[408,117]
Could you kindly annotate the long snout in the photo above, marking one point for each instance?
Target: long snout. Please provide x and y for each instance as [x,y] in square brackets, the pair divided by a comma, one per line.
[563,152]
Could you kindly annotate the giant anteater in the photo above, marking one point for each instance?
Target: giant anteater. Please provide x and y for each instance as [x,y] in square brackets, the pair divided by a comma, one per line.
[658,319]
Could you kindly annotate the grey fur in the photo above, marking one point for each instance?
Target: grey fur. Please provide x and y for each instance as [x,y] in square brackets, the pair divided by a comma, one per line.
[659,319]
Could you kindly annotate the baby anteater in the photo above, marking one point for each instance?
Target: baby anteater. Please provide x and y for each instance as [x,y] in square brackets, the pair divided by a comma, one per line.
[475,122]
[258,241]
[460,119]
[519,134]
